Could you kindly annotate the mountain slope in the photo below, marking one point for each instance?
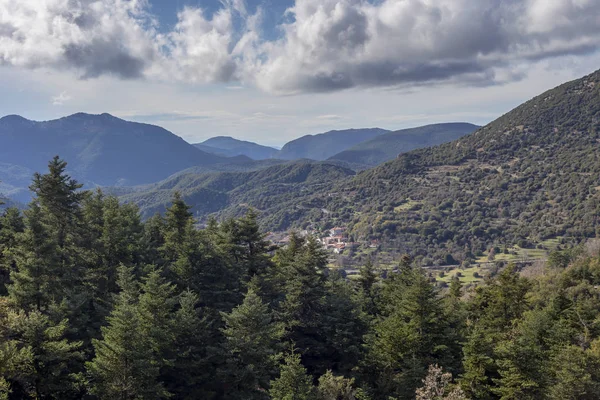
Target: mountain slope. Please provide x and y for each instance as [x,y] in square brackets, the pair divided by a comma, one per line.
[231,147]
[100,149]
[386,147]
[324,145]
[271,190]
[528,177]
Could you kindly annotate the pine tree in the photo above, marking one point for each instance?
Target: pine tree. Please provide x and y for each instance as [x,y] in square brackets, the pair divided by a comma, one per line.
[251,343]
[194,261]
[192,374]
[48,261]
[302,311]
[575,373]
[112,238]
[293,382]
[52,361]
[247,244]
[125,365]
[523,355]
[12,226]
[59,197]
[479,364]
[272,285]
[342,328]
[501,301]
[33,284]
[16,361]
[367,277]
[155,307]
[92,210]
[455,313]
[410,337]
[178,221]
[152,241]
[368,291]
[120,241]
[492,311]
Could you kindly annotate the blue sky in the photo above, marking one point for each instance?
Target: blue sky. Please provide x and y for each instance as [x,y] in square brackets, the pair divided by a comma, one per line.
[249,69]
[167,10]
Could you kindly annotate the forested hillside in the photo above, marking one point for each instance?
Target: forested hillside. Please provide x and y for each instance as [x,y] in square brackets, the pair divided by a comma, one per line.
[529,176]
[97,304]
[273,191]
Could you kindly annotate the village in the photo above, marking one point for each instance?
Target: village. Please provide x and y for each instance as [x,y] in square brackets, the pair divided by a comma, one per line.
[335,240]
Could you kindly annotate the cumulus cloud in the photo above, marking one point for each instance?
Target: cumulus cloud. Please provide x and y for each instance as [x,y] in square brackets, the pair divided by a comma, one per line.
[94,37]
[337,44]
[325,45]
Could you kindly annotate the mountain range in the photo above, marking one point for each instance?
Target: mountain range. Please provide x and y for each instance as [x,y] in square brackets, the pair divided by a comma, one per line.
[231,147]
[103,150]
[388,145]
[526,178]
[324,145]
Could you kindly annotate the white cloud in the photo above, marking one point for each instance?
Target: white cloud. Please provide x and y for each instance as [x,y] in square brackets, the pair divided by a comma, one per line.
[199,48]
[337,44]
[326,45]
[60,99]
[94,37]
[200,113]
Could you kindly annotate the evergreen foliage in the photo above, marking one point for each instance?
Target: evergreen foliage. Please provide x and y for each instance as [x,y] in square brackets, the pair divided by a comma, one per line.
[293,383]
[98,304]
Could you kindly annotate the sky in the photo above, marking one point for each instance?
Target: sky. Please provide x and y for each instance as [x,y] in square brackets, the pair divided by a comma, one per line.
[273,70]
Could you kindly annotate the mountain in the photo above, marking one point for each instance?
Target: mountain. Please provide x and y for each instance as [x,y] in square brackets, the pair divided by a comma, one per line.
[324,145]
[527,178]
[230,147]
[386,147]
[100,149]
[270,190]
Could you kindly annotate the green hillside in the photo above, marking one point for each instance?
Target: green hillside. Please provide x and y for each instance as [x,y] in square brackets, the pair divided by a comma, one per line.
[274,191]
[531,175]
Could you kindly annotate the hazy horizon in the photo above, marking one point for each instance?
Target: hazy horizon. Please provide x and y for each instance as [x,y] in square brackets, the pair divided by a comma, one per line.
[275,146]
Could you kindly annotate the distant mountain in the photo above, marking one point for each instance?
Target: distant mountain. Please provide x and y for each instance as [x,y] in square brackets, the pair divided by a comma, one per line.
[386,147]
[100,149]
[322,146]
[230,147]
